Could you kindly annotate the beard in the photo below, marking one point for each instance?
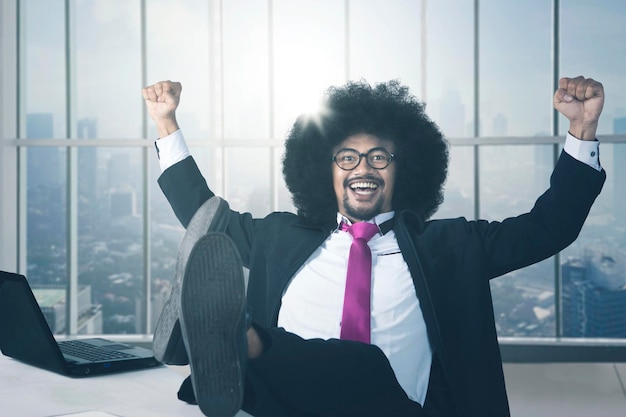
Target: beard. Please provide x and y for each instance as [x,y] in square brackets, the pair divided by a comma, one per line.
[364,213]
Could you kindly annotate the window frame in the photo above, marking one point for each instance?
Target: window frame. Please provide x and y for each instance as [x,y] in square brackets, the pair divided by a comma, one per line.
[12,180]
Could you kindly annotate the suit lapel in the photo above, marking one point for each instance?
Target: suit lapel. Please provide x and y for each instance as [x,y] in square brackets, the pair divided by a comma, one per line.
[407,227]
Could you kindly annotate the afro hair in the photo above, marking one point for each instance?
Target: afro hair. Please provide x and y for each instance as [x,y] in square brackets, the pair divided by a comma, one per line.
[386,110]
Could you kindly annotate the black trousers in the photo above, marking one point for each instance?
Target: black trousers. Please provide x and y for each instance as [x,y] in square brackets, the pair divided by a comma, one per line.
[315,377]
[298,377]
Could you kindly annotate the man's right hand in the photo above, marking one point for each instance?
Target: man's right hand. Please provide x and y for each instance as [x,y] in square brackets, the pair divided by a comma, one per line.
[581,100]
[162,99]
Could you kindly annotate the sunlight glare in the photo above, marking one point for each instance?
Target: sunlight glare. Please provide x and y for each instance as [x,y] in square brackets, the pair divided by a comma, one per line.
[313,110]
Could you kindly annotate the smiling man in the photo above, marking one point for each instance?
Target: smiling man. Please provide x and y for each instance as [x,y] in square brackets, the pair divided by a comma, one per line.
[409,329]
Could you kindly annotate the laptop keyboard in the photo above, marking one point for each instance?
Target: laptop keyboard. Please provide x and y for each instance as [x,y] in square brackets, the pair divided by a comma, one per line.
[89,352]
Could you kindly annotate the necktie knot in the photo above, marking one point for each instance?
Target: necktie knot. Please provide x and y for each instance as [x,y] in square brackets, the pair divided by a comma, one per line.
[362,230]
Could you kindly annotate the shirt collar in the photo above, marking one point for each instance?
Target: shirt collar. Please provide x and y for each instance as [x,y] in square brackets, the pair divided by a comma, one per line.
[378,220]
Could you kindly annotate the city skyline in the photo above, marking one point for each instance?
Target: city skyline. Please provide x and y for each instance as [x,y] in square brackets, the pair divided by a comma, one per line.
[110,249]
[248,69]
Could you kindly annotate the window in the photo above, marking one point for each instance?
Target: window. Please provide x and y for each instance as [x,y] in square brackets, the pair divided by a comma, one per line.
[81,171]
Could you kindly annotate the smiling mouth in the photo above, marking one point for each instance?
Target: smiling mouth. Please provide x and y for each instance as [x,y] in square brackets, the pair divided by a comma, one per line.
[364,187]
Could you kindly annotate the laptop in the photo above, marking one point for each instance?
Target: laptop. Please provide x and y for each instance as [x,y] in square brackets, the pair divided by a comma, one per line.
[26,336]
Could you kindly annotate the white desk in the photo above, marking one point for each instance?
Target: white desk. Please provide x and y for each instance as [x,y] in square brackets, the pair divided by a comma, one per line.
[26,391]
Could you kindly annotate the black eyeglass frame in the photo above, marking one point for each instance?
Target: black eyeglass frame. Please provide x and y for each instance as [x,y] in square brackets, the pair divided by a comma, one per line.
[366,155]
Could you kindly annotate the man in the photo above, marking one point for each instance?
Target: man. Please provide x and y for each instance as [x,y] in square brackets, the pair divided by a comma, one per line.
[288,347]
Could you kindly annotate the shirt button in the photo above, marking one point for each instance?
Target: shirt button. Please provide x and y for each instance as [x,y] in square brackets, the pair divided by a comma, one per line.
[593,154]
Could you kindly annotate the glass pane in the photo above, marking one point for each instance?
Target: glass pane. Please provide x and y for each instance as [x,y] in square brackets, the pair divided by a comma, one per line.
[459,187]
[178,49]
[515,97]
[596,32]
[247,180]
[449,73]
[592,269]
[43,32]
[46,239]
[107,66]
[308,57]
[385,41]
[110,235]
[246,70]
[46,196]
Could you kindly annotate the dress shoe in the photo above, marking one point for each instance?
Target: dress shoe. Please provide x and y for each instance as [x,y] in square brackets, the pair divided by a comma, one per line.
[167,343]
[214,323]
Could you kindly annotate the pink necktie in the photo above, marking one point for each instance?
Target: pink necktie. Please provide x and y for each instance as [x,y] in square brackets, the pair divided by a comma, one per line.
[355,322]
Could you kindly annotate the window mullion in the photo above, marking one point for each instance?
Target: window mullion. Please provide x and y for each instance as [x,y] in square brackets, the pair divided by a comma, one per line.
[72,182]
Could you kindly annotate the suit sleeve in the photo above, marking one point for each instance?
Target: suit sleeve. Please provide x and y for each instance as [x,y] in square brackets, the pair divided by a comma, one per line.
[185,189]
[553,223]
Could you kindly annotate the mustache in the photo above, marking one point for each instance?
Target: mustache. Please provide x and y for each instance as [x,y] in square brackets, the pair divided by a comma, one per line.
[368,178]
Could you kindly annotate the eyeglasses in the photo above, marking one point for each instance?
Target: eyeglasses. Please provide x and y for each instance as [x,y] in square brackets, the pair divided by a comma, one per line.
[377,158]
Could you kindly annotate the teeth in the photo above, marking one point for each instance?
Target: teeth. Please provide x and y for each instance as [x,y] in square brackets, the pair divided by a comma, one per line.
[363,185]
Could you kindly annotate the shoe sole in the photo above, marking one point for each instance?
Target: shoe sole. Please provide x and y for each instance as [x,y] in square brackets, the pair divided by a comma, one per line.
[213,306]
[167,343]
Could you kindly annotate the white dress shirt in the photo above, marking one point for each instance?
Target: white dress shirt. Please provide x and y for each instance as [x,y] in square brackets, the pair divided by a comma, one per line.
[312,304]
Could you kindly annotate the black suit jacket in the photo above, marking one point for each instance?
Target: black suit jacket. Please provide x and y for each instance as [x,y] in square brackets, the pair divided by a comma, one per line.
[451,262]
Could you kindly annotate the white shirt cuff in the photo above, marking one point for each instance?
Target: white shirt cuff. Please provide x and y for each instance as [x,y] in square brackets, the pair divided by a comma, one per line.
[171,149]
[586,151]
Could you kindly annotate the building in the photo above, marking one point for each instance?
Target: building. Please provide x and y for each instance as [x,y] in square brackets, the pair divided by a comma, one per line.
[594,296]
[51,300]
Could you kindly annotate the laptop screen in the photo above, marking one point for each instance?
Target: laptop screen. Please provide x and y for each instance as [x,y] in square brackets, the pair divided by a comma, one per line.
[24,332]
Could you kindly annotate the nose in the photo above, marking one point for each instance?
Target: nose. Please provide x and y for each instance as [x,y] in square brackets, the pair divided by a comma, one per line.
[362,165]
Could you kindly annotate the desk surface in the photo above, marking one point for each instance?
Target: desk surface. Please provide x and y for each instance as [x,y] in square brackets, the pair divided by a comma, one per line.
[26,391]
[534,390]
